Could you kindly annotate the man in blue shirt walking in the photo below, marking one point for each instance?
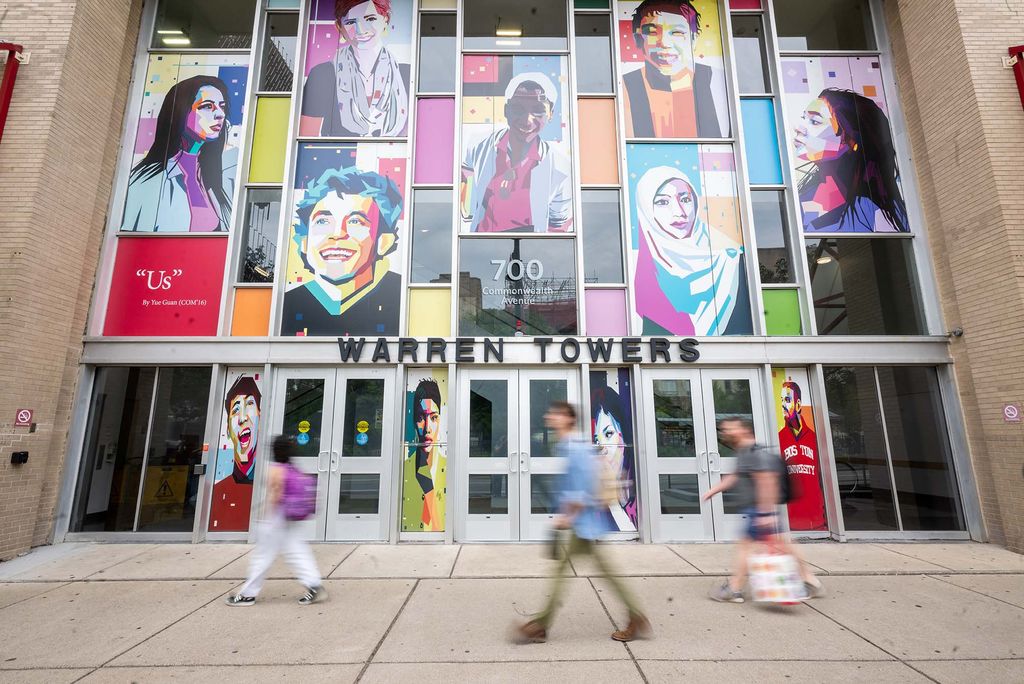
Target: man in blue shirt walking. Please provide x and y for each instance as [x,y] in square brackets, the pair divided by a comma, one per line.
[579,511]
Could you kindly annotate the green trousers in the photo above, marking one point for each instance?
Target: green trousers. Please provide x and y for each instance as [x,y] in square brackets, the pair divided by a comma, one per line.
[583,547]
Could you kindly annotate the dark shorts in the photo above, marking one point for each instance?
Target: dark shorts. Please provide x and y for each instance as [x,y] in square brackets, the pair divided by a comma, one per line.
[754,532]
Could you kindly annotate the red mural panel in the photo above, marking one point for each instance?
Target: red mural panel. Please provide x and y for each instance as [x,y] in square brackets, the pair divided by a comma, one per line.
[166,286]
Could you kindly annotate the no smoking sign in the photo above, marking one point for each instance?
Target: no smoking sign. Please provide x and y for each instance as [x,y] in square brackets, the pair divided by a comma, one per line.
[23,418]
[1012,413]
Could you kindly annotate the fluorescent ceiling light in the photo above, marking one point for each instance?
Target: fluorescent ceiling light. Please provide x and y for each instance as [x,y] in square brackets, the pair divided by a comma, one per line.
[509,32]
[176,41]
[170,32]
[512,43]
[824,260]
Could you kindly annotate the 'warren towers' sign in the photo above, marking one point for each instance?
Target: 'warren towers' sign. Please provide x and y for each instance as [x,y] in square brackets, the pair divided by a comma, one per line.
[544,350]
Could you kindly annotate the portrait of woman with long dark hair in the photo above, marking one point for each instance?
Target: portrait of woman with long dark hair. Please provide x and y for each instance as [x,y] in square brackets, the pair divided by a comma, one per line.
[844,145]
[187,178]
[612,429]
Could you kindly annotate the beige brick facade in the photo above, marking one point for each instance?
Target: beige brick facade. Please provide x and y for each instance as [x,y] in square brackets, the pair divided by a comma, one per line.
[56,165]
[966,127]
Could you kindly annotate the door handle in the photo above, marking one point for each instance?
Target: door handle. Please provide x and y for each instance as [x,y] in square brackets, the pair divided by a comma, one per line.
[703,461]
[717,461]
[335,461]
[524,462]
[320,467]
[513,463]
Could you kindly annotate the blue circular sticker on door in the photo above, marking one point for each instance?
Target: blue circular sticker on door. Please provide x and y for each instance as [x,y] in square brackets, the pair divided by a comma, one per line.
[303,438]
[362,439]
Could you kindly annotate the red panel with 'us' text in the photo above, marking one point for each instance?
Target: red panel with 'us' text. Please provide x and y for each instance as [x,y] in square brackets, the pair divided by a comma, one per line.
[166,286]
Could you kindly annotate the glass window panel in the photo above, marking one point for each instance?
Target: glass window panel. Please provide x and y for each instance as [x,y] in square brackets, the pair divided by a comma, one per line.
[824,25]
[283,4]
[769,209]
[544,494]
[488,419]
[922,461]
[593,54]
[864,287]
[435,141]
[430,312]
[277,68]
[304,404]
[542,394]
[115,442]
[602,237]
[673,419]
[733,502]
[437,53]
[358,494]
[761,141]
[259,235]
[865,489]
[590,4]
[432,236]
[782,312]
[266,164]
[170,487]
[606,312]
[599,153]
[488,494]
[750,54]
[732,400]
[364,408]
[190,24]
[514,24]
[438,4]
[517,287]
[680,494]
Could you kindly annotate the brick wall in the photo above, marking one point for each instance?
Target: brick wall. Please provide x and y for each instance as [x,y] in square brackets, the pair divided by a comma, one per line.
[966,126]
[56,167]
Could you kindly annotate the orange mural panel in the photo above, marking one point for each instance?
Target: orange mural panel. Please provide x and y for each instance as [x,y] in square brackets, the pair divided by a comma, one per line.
[599,147]
[251,317]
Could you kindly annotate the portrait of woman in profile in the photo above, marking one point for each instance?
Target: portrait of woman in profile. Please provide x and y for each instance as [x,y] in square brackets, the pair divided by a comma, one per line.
[613,435]
[844,145]
[364,90]
[187,178]
[690,278]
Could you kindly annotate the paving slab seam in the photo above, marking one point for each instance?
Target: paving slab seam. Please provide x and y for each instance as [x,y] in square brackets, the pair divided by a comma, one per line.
[132,557]
[234,560]
[979,593]
[335,568]
[883,650]
[383,638]
[457,554]
[159,631]
[683,558]
[59,585]
[625,645]
[907,555]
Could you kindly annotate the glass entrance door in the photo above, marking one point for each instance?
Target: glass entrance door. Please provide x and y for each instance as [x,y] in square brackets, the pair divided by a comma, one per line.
[685,456]
[509,475]
[339,419]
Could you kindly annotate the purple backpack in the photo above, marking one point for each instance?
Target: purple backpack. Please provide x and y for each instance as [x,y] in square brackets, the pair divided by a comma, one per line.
[299,500]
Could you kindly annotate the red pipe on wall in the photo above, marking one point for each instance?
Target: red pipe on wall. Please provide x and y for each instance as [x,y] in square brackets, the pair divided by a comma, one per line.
[1018,69]
[7,84]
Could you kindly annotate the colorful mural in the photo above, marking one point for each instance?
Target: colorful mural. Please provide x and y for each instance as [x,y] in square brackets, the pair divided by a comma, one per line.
[799,444]
[186,145]
[516,168]
[673,73]
[237,452]
[343,274]
[358,54]
[424,476]
[686,241]
[843,151]
[611,427]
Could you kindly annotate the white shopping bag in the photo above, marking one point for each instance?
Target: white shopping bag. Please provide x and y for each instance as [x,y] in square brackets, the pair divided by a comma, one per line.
[775,578]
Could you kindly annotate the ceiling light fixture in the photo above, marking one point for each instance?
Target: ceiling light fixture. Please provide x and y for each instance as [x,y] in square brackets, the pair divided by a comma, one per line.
[170,32]
[509,32]
[176,41]
[822,260]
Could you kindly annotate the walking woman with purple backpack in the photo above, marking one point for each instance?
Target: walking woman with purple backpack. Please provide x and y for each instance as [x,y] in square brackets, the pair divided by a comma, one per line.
[291,497]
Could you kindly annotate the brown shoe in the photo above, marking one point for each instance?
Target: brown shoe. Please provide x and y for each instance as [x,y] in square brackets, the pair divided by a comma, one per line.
[533,632]
[638,627]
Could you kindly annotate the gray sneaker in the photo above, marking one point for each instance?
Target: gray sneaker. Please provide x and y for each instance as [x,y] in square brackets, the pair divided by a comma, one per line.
[725,594]
[313,595]
[814,590]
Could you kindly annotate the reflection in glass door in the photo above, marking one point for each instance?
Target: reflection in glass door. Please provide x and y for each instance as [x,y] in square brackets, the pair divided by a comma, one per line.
[338,419]
[510,471]
[686,458]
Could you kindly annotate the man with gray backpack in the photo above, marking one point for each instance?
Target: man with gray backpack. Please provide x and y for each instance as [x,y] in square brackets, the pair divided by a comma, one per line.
[291,497]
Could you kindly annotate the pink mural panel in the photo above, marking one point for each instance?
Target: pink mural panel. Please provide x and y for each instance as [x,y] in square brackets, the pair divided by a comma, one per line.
[435,140]
[606,312]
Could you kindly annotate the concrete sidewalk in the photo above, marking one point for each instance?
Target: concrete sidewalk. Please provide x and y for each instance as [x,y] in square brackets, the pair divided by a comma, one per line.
[151,613]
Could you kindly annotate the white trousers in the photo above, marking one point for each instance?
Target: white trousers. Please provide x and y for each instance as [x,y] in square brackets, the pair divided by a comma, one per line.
[279,536]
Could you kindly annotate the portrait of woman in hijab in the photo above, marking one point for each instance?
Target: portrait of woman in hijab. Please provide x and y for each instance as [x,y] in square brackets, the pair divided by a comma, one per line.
[364,90]
[689,277]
